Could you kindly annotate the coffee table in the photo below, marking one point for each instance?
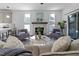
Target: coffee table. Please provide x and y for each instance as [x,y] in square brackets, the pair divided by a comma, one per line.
[38,46]
[39,42]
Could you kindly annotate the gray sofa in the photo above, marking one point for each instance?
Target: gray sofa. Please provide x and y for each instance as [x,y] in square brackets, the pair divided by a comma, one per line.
[64,46]
[65,53]
[72,49]
[37,50]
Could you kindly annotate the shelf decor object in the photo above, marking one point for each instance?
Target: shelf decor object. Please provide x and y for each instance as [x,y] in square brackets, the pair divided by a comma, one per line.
[39,17]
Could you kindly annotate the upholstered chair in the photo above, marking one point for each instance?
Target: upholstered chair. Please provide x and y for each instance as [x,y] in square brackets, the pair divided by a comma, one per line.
[55,34]
[23,35]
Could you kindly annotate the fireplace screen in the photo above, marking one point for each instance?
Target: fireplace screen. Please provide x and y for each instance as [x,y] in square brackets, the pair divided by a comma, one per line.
[42,30]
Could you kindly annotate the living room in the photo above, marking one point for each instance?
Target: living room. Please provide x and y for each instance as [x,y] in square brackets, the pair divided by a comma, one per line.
[36,27]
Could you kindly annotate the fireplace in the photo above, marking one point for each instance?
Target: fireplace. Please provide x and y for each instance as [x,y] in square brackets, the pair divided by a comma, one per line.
[36,25]
[42,30]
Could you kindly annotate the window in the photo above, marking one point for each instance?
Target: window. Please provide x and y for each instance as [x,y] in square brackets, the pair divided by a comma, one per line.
[27,18]
[52,17]
[27,22]
[51,22]
[27,26]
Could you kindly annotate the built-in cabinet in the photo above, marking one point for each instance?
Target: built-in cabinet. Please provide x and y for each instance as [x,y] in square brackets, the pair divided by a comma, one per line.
[73,25]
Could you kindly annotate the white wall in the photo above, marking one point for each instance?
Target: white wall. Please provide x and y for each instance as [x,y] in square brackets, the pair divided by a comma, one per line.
[18,18]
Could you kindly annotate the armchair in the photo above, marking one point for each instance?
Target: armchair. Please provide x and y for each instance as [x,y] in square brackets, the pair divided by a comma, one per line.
[23,35]
[55,34]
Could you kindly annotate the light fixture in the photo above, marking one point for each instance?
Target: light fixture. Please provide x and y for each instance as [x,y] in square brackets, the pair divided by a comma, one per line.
[7,16]
[41,3]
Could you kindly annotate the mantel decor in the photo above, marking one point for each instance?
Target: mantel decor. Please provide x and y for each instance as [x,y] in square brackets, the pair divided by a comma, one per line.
[39,17]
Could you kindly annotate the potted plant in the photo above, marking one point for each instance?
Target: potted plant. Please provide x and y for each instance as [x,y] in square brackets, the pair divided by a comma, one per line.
[62,26]
[39,32]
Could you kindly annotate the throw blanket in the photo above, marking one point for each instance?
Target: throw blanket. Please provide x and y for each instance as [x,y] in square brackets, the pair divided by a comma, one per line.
[14,52]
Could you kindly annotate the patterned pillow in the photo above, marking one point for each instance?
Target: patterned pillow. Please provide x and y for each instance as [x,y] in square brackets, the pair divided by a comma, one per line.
[61,44]
[13,42]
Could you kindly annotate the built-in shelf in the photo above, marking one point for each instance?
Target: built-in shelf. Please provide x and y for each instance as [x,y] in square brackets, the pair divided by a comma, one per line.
[39,22]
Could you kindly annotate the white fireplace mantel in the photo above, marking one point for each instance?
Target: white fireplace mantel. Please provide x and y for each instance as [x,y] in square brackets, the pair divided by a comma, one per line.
[39,22]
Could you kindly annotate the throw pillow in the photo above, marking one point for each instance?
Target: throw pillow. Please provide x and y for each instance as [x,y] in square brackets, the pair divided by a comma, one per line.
[13,42]
[74,45]
[61,44]
[2,44]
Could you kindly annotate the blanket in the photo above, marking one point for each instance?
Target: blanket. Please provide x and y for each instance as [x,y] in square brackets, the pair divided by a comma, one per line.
[14,52]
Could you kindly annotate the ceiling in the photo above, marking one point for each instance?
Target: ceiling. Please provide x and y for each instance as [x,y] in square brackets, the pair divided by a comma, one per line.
[36,6]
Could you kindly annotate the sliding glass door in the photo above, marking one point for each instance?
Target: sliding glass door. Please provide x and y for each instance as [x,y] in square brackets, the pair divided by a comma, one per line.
[72,30]
[78,25]
[73,25]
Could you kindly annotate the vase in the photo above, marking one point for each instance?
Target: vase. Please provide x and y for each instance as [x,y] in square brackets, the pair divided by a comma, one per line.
[62,33]
[39,35]
[36,38]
